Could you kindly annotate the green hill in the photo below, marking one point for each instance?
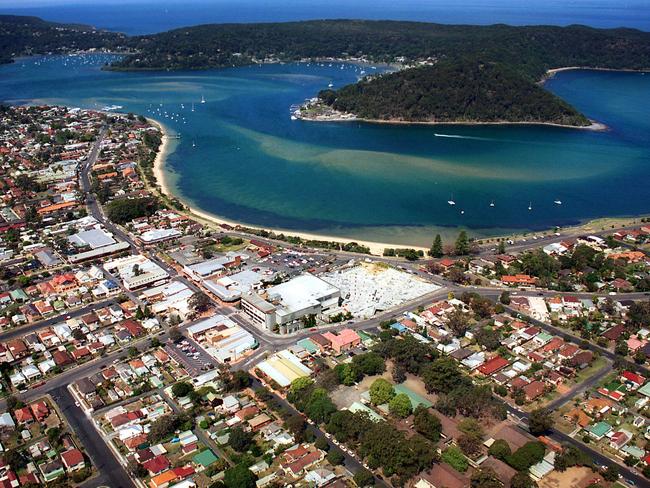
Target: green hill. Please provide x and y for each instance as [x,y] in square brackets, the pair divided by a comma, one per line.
[464,91]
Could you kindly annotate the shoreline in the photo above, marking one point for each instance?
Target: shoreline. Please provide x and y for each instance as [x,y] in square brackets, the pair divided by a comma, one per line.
[376,247]
[594,126]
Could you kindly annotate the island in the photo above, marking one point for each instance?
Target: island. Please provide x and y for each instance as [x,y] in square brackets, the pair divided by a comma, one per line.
[445,73]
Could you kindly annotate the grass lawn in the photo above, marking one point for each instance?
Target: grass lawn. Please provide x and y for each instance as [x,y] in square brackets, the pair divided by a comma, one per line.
[595,366]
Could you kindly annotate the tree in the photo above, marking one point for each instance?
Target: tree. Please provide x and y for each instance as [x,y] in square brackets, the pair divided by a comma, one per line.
[347,374]
[364,478]
[470,445]
[175,334]
[488,338]
[427,423]
[322,444]
[501,248]
[164,426]
[540,421]
[335,457]
[505,298]
[399,373]
[239,477]
[296,425]
[611,473]
[621,348]
[182,389]
[462,246]
[523,458]
[319,407]
[500,449]
[400,406]
[381,391]
[136,469]
[436,247]
[458,322]
[200,302]
[443,375]
[369,363]
[522,480]
[471,427]
[240,440]
[485,478]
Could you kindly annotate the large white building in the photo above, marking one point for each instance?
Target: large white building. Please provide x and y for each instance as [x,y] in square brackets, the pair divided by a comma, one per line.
[222,338]
[137,271]
[285,304]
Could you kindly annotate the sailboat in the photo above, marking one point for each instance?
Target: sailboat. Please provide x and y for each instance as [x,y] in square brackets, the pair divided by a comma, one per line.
[451,201]
[492,203]
[530,205]
[202,99]
[192,106]
[193,144]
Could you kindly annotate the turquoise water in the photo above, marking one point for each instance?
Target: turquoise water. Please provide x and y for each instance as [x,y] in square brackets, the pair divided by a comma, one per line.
[242,157]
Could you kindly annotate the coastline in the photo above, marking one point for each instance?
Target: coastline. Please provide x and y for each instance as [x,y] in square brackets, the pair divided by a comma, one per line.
[376,248]
[594,126]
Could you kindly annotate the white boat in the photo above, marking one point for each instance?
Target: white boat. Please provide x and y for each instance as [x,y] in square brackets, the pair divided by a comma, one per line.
[293,117]
[192,106]
[557,202]
[530,205]
[193,144]
[202,99]
[330,85]
[451,201]
[492,203]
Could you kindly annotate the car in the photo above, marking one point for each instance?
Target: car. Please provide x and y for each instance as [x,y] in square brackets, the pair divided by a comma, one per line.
[77,404]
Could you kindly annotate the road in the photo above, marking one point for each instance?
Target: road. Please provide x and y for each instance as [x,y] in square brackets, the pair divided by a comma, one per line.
[111,472]
[28,329]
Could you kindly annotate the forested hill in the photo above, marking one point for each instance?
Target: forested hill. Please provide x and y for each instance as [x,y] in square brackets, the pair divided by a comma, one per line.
[463,91]
[20,35]
[532,49]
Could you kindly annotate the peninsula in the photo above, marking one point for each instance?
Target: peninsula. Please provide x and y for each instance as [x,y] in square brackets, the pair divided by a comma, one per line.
[450,73]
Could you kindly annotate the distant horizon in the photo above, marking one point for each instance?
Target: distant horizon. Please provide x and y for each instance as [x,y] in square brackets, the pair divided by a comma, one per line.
[135,17]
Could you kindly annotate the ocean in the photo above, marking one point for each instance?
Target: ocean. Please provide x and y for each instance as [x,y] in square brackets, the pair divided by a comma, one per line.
[148,16]
[240,155]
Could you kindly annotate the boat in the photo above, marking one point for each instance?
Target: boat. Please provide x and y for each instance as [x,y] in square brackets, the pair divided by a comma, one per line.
[110,108]
[492,203]
[530,205]
[557,202]
[193,144]
[202,99]
[451,201]
[192,106]
[330,85]
[293,117]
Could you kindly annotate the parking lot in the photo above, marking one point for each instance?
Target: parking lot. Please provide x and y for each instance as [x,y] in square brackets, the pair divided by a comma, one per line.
[191,356]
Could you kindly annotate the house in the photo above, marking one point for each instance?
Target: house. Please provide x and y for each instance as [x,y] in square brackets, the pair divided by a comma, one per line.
[73,460]
[40,410]
[346,339]
[156,465]
[619,438]
[24,416]
[533,390]
[633,381]
[599,430]
[518,280]
[299,459]
[204,459]
[51,470]
[493,365]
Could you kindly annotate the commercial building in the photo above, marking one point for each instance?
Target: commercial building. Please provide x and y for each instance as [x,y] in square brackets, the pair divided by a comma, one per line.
[222,338]
[283,368]
[287,303]
[137,271]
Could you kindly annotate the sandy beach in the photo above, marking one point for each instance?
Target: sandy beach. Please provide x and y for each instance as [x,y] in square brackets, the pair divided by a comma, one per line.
[376,248]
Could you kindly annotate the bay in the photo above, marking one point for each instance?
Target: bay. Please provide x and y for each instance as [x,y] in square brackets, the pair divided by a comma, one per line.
[240,155]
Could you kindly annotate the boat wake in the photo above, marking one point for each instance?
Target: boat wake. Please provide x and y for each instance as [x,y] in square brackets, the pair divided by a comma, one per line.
[455,136]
